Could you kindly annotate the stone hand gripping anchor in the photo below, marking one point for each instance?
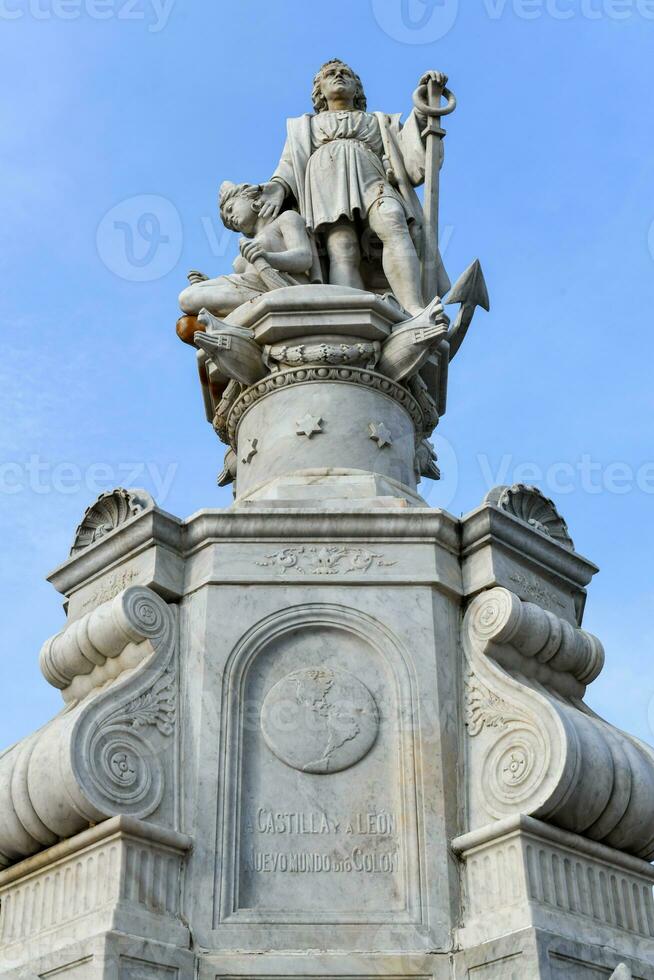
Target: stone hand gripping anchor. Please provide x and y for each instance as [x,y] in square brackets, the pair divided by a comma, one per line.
[427,100]
[470,289]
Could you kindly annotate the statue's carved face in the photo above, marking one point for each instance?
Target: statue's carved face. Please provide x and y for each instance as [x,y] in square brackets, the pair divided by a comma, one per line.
[337,81]
[242,211]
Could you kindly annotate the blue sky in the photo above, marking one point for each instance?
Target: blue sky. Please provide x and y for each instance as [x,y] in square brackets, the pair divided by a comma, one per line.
[116,109]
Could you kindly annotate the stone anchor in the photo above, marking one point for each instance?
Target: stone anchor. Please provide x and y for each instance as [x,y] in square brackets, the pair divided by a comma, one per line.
[470,291]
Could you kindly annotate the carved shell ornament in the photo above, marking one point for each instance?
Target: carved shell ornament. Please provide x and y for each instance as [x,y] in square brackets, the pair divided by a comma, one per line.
[109,511]
[532,507]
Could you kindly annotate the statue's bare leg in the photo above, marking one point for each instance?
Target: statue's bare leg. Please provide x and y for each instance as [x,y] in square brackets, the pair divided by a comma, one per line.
[218,296]
[399,257]
[344,254]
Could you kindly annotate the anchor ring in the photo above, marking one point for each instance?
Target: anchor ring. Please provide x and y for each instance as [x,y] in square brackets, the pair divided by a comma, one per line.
[425,109]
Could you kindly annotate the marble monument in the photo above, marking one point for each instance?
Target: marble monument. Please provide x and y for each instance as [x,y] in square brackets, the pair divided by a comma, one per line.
[328,731]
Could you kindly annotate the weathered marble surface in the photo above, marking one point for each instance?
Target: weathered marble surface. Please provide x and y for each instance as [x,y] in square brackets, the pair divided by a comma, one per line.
[325,810]
[321,380]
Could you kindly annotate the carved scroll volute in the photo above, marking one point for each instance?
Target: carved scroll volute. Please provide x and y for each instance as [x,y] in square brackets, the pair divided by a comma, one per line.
[516,745]
[122,742]
[113,751]
[533,746]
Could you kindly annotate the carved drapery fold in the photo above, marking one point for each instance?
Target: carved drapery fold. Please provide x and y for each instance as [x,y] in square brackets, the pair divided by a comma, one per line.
[109,754]
[533,746]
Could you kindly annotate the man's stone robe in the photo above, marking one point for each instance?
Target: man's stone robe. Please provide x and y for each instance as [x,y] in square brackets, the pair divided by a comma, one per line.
[404,150]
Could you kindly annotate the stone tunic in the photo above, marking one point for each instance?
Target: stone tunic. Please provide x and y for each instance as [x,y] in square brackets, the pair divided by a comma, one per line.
[345,173]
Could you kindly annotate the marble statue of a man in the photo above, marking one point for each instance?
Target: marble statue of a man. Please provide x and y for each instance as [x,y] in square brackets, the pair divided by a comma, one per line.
[351,173]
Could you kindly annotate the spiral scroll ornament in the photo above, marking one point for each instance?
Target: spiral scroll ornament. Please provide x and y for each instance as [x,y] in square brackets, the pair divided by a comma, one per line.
[495,615]
[124,765]
[126,771]
[513,769]
[143,613]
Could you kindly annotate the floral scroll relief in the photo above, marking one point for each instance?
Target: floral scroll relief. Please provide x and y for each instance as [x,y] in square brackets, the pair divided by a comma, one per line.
[325,560]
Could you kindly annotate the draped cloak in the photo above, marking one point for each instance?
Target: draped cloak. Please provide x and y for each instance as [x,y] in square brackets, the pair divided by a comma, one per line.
[404,150]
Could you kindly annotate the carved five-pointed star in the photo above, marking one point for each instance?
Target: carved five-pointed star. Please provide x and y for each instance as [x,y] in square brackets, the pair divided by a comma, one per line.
[250,449]
[307,425]
[380,434]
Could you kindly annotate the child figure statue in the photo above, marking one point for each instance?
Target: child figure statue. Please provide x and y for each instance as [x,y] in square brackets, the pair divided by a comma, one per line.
[275,252]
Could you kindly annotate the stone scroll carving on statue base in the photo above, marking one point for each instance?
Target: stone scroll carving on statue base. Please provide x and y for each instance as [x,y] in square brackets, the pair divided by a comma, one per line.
[532,744]
[114,747]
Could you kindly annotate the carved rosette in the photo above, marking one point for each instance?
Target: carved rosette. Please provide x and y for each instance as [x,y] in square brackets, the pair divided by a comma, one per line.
[109,511]
[533,746]
[530,505]
[111,751]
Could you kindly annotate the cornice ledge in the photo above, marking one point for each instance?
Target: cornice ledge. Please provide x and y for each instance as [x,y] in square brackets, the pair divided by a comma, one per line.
[487,524]
[148,528]
[521,823]
[262,524]
[120,826]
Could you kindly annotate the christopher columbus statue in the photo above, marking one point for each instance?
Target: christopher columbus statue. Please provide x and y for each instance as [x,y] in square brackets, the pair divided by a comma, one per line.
[351,174]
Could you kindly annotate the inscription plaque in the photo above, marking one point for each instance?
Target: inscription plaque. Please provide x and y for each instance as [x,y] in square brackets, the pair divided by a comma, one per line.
[324,816]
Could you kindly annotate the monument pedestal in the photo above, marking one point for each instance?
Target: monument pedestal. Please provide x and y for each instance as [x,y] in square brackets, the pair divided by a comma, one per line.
[328,732]
[297,750]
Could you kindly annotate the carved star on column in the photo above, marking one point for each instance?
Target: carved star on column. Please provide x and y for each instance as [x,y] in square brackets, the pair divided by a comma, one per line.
[250,449]
[308,425]
[380,434]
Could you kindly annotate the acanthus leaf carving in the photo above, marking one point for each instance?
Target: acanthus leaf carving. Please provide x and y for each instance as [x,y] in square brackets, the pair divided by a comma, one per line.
[156,707]
[483,708]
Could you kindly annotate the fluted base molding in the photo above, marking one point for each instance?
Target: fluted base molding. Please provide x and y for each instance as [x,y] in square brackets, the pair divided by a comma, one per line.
[121,877]
[553,903]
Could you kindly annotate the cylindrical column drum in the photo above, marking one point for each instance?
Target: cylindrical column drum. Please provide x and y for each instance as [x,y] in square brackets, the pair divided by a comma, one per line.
[330,421]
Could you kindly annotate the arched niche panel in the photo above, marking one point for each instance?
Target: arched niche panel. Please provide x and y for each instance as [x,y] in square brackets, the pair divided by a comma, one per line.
[319,816]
